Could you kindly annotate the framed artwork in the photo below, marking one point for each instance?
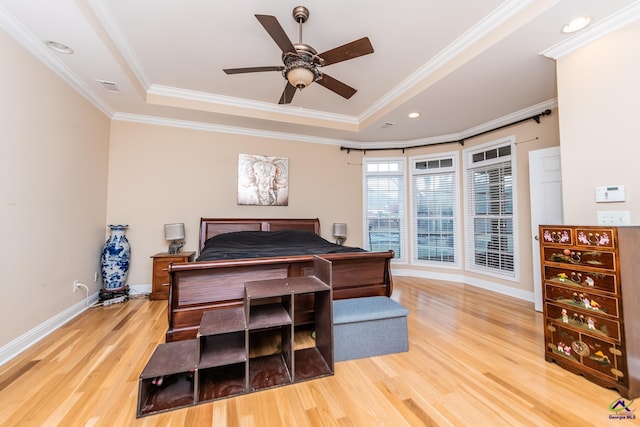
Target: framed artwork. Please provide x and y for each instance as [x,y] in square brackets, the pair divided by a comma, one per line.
[262,180]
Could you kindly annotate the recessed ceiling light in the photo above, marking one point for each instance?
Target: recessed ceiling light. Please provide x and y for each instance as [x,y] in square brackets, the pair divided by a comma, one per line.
[577,24]
[59,47]
[413,115]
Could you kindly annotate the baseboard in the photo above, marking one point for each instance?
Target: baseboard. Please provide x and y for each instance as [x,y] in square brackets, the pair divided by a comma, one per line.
[23,342]
[467,280]
[139,289]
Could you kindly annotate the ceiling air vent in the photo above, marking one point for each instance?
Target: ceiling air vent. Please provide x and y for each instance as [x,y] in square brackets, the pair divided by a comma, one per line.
[387,125]
[109,86]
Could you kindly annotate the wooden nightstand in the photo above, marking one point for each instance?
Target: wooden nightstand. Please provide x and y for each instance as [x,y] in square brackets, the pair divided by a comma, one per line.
[160,280]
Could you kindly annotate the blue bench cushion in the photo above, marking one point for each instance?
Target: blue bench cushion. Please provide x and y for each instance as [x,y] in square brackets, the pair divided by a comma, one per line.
[366,308]
[368,326]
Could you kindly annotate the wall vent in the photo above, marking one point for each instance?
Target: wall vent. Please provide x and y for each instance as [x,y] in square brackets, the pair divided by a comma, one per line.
[387,125]
[109,86]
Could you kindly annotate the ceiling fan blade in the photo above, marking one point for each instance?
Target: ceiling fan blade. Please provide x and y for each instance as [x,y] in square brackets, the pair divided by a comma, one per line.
[336,86]
[287,94]
[273,27]
[252,69]
[351,50]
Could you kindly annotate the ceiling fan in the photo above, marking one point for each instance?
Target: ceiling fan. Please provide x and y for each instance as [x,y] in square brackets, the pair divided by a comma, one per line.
[301,62]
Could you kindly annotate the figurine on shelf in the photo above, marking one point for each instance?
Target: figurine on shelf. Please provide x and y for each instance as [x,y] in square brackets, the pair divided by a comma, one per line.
[565,316]
[591,324]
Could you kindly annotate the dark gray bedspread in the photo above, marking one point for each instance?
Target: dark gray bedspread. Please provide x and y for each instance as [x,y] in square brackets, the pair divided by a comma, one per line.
[258,244]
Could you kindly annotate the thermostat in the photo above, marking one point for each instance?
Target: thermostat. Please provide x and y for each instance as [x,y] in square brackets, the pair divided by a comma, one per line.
[610,193]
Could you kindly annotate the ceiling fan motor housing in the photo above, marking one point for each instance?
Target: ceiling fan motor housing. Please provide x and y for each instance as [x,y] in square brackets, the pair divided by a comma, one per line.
[301,68]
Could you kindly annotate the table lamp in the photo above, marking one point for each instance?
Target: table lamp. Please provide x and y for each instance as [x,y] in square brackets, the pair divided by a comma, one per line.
[340,232]
[175,233]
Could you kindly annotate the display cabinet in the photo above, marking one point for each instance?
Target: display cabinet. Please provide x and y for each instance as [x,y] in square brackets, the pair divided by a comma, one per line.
[591,303]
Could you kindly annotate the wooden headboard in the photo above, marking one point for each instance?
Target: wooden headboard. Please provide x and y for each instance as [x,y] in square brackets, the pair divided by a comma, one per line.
[210,227]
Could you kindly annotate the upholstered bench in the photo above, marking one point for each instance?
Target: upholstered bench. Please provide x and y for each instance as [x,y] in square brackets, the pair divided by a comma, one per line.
[368,326]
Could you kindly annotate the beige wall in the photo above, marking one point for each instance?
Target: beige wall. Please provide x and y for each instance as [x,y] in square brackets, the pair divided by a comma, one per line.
[59,153]
[53,181]
[599,103]
[161,174]
[528,136]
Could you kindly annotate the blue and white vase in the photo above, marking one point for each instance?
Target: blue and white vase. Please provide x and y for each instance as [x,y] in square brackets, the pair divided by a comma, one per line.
[115,259]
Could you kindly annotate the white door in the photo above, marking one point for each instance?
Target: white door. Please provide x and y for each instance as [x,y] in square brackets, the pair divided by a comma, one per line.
[545,181]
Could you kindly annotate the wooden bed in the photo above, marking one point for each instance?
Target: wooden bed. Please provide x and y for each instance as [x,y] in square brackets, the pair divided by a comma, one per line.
[197,287]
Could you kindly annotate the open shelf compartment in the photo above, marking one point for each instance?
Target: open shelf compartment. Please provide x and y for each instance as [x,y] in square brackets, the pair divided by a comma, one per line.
[167,382]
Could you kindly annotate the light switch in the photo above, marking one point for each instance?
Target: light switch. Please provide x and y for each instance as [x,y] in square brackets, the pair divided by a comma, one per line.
[614,218]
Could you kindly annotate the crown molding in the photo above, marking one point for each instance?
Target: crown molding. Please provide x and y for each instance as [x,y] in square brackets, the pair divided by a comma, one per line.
[595,31]
[209,127]
[466,40]
[37,48]
[221,103]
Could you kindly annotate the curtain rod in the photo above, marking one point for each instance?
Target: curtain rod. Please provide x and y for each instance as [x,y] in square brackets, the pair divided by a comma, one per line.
[459,141]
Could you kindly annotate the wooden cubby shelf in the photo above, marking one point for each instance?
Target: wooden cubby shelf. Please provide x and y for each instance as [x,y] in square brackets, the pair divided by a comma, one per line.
[167,382]
[245,349]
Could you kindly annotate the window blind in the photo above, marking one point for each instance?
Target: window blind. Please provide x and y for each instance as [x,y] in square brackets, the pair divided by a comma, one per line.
[384,200]
[490,214]
[434,210]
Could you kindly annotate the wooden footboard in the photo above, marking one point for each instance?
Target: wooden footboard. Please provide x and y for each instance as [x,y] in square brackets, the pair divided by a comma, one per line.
[202,286]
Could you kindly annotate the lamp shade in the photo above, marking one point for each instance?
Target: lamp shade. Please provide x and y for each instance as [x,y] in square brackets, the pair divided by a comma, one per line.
[300,77]
[339,229]
[174,231]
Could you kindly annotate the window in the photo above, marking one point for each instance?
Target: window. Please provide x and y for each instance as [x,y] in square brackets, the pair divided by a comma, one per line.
[490,217]
[384,205]
[434,206]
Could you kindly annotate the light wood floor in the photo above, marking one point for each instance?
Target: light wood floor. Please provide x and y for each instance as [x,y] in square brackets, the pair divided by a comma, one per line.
[475,359]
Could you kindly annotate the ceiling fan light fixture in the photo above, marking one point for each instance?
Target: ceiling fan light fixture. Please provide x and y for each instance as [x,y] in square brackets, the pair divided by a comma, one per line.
[300,77]
[300,71]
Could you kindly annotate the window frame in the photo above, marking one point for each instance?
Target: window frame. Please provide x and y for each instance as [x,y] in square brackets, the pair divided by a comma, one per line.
[402,215]
[469,207]
[454,170]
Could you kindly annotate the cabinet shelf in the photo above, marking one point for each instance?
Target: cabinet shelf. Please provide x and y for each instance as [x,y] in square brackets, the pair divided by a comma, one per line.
[221,381]
[268,316]
[309,364]
[167,382]
[268,371]
[244,349]
[224,349]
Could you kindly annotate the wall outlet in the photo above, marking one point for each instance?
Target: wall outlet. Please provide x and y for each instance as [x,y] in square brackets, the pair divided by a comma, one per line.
[95,276]
[75,286]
